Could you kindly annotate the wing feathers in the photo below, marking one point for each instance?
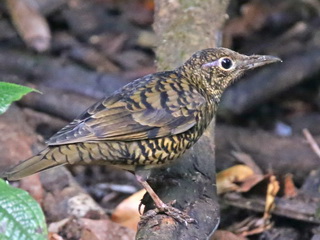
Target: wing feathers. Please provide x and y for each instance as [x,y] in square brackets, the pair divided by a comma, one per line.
[150,109]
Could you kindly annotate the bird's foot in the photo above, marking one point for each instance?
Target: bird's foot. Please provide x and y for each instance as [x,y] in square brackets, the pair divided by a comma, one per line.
[161,207]
[171,211]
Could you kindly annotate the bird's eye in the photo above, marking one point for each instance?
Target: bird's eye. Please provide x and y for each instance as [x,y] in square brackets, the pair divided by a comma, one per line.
[226,63]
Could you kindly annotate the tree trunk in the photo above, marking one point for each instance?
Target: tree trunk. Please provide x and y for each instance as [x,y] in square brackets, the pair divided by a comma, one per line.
[184,27]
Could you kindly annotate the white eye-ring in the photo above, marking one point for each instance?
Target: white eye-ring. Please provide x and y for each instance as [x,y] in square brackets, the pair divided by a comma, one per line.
[224,63]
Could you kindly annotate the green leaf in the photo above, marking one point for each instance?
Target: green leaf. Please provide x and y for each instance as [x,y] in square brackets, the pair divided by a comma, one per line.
[10,92]
[21,217]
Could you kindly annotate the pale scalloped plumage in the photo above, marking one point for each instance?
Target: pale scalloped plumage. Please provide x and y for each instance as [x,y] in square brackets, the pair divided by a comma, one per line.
[149,122]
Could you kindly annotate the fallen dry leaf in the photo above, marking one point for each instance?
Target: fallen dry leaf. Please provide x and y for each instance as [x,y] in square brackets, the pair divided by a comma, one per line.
[226,179]
[252,225]
[289,189]
[32,184]
[127,213]
[55,227]
[54,236]
[148,4]
[251,181]
[272,190]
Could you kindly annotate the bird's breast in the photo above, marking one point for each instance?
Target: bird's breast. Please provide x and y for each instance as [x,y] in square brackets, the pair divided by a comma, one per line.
[148,153]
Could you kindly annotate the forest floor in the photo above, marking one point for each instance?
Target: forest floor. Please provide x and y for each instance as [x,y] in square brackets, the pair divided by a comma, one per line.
[267,129]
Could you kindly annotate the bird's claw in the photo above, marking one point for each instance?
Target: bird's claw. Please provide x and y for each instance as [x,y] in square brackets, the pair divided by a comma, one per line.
[171,211]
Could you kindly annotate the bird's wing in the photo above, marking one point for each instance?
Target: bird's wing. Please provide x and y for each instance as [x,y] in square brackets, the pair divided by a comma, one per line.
[141,110]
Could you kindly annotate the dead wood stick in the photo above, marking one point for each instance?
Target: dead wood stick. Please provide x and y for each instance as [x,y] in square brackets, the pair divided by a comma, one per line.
[57,102]
[313,144]
[54,73]
[291,208]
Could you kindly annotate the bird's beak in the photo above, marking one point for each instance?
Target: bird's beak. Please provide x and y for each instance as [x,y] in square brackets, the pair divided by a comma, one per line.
[254,61]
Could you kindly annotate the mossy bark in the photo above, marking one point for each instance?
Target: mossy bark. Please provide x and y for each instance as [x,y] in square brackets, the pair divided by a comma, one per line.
[186,26]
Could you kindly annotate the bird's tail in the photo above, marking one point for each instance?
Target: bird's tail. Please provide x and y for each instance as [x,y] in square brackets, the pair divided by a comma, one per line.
[47,158]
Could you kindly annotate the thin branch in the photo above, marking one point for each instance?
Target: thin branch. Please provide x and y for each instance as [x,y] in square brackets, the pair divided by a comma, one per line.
[313,144]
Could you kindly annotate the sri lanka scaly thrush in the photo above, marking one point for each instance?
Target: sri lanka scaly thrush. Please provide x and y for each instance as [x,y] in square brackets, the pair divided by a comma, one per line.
[148,123]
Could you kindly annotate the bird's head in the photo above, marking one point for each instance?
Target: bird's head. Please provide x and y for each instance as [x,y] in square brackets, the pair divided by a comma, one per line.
[214,69]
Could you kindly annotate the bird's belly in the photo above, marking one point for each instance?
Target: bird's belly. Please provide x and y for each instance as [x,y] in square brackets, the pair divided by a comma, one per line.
[151,152]
[128,155]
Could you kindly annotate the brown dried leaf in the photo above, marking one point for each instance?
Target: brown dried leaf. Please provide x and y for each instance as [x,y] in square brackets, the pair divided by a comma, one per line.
[55,227]
[250,182]
[148,4]
[30,24]
[127,213]
[32,184]
[54,236]
[252,225]
[140,12]
[226,179]
[272,190]
[290,189]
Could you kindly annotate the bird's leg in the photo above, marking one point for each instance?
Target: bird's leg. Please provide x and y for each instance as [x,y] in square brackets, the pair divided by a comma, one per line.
[157,201]
[162,207]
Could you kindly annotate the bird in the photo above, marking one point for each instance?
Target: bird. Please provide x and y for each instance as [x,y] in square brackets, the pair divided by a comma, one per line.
[149,122]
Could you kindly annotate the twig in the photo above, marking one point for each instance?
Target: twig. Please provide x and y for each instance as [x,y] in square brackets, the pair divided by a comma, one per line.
[313,144]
